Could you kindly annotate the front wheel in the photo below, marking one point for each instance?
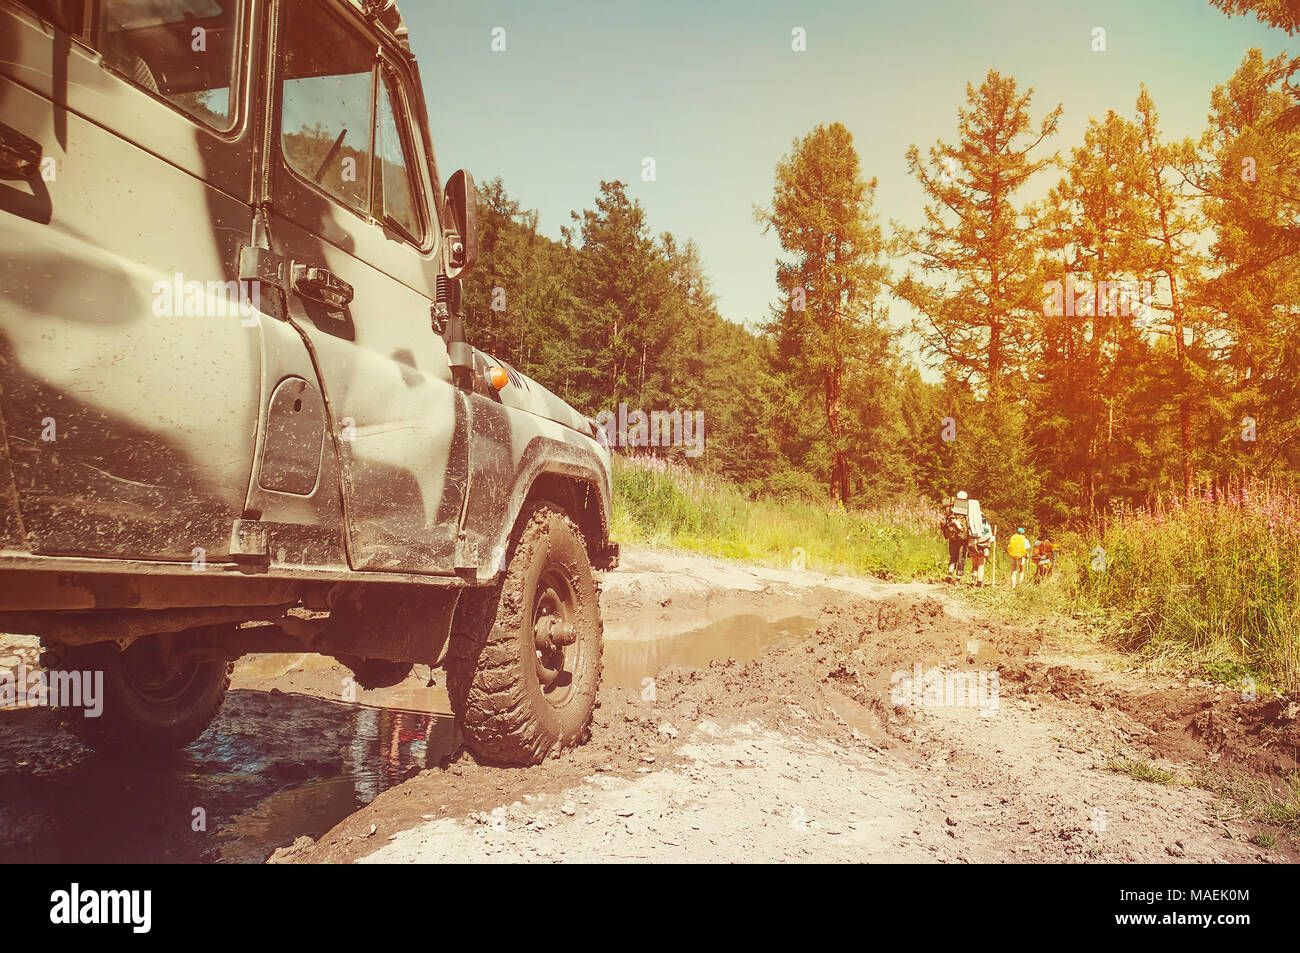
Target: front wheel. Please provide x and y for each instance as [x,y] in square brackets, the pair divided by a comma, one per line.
[525,661]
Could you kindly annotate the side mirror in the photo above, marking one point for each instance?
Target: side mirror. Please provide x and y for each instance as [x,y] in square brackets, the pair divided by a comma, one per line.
[461,201]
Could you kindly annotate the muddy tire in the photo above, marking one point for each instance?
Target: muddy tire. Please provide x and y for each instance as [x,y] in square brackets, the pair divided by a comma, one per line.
[525,660]
[147,712]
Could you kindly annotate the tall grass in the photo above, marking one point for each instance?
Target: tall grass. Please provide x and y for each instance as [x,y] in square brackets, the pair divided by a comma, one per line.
[666,505]
[1211,581]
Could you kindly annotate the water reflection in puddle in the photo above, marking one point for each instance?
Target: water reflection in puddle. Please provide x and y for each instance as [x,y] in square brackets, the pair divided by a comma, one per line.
[272,768]
[383,748]
[275,765]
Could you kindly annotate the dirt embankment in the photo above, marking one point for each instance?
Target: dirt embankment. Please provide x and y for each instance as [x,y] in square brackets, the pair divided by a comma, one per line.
[882,723]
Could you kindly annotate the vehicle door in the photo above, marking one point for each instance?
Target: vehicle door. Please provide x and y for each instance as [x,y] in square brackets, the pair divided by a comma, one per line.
[129,377]
[354,222]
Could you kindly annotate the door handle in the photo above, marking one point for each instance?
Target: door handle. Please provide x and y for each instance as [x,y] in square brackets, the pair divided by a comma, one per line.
[321,284]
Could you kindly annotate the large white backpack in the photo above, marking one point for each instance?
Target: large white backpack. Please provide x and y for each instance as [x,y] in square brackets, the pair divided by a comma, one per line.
[962,519]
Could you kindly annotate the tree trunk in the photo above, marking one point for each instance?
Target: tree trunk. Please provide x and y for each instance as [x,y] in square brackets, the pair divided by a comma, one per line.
[1184,400]
[994,359]
[1175,302]
[839,465]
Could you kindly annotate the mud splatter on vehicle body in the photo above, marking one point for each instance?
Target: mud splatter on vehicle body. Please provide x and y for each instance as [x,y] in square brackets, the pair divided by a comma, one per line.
[239,412]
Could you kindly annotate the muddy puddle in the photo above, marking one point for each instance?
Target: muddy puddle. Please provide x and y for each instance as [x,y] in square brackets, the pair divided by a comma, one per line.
[274,766]
[288,755]
[628,662]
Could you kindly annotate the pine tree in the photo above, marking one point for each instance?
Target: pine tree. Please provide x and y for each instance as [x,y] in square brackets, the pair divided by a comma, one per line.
[976,242]
[1251,198]
[623,281]
[1169,247]
[821,213]
[1088,347]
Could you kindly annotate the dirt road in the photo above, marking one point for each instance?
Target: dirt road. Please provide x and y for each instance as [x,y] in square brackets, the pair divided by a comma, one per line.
[746,714]
[820,736]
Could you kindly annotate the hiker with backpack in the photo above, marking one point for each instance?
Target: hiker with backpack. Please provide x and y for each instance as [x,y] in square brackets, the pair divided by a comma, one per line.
[1018,549]
[1044,558]
[958,515]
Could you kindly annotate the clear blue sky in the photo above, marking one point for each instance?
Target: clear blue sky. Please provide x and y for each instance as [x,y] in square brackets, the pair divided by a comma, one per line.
[713,92]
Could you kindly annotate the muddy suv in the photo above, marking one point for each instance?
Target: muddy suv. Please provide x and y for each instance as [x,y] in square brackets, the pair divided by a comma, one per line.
[238,412]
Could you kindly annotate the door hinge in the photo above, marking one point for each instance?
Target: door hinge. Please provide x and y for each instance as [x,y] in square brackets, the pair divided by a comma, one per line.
[262,264]
[271,272]
[249,541]
[466,556]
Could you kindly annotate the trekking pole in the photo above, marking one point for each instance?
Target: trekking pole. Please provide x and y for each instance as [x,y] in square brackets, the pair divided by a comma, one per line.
[994,583]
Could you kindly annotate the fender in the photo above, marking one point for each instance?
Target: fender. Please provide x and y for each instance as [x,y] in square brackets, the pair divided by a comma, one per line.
[558,464]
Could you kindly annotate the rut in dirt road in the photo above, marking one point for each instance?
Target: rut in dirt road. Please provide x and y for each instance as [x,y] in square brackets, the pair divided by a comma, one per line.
[819,749]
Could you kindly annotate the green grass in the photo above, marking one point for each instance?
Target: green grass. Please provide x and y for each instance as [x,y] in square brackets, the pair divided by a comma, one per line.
[1282,810]
[1052,597]
[1141,769]
[1207,587]
[664,505]
[1257,799]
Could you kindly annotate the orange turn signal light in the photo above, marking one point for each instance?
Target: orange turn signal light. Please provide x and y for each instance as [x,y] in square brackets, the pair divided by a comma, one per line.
[498,376]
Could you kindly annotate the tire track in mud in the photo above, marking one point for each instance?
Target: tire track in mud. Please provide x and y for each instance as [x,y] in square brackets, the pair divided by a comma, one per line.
[809,751]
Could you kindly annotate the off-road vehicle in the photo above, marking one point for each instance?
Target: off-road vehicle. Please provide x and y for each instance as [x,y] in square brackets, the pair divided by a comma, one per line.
[238,412]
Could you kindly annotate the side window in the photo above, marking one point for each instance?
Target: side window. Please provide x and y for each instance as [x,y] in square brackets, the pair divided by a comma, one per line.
[328,84]
[394,197]
[183,51]
[68,15]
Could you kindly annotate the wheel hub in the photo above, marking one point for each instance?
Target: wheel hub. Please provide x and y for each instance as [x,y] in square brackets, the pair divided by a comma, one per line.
[553,632]
[156,673]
